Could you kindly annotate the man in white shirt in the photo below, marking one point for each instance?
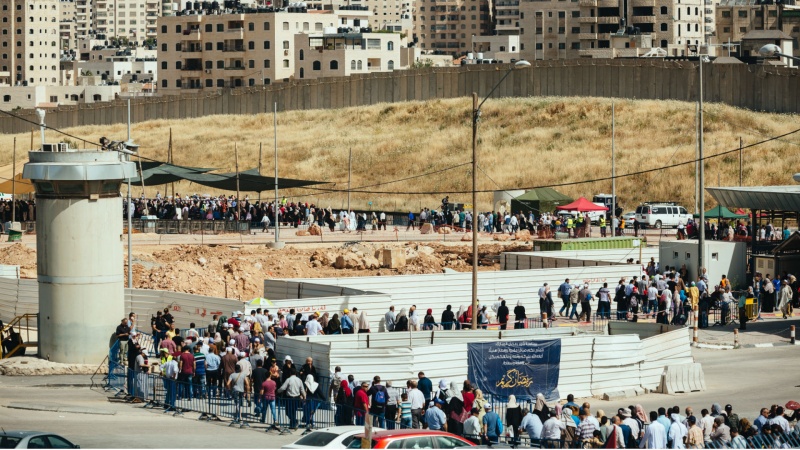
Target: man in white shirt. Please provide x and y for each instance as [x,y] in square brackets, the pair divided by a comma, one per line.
[632,423]
[417,400]
[553,428]
[677,431]
[706,424]
[780,420]
[313,327]
[655,436]
[472,427]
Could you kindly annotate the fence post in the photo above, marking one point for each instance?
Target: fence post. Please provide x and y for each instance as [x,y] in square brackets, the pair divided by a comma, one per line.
[736,338]
[696,321]
[791,334]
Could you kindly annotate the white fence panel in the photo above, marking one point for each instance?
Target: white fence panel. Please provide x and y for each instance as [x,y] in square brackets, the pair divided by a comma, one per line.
[572,258]
[9,271]
[615,363]
[9,289]
[665,349]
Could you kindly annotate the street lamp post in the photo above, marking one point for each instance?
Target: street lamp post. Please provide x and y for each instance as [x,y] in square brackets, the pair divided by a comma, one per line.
[476,115]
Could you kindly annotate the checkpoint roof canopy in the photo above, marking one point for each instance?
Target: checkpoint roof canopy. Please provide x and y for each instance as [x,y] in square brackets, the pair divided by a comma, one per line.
[249,180]
[582,205]
[769,198]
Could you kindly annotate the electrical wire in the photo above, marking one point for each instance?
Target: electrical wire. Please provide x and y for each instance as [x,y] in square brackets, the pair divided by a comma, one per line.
[330,191]
[574,183]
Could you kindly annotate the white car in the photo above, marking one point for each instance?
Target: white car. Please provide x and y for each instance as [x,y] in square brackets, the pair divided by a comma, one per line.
[333,437]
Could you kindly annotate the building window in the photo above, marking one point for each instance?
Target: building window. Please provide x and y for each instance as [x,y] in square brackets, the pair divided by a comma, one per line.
[251,64]
[726,29]
[220,28]
[286,45]
[220,83]
[664,43]
[743,13]
[390,65]
[266,64]
[251,45]
[743,29]
[353,65]
[726,14]
[209,46]
[286,26]
[220,46]
[178,29]
[576,46]
[178,47]
[266,26]
[359,65]
[561,14]
[163,83]
[302,55]
[164,65]
[209,64]
[575,14]
[209,82]
[562,46]
[209,29]
[538,46]
[663,10]
[316,65]
[164,29]
[664,27]
[6,98]
[220,64]
[251,26]
[163,47]
[390,45]
[302,73]
[576,30]
[266,45]
[177,65]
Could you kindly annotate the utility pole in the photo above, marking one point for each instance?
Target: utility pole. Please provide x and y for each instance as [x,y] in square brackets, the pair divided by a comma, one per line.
[741,174]
[701,179]
[349,176]
[697,160]
[613,168]
[130,212]
[170,160]
[14,184]
[475,112]
[238,201]
[259,172]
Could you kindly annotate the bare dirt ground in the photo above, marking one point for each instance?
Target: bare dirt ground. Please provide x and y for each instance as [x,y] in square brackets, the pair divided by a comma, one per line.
[238,271]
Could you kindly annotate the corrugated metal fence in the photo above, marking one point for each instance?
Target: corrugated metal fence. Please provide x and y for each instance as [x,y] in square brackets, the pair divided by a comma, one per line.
[760,88]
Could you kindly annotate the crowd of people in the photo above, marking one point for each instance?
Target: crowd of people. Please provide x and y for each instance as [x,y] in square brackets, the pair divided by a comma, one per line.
[239,363]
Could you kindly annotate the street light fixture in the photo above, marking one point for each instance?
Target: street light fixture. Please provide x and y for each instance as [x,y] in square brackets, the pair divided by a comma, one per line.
[476,115]
[771,50]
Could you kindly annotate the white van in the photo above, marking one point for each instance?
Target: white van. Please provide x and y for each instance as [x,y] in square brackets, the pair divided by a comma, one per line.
[658,215]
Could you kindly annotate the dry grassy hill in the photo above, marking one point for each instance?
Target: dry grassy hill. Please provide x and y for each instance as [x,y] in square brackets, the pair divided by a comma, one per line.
[524,142]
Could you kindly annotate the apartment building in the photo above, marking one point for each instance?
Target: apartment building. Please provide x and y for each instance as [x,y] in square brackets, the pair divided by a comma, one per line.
[506,17]
[29,47]
[67,24]
[29,97]
[229,50]
[133,20]
[734,21]
[560,29]
[334,54]
[447,26]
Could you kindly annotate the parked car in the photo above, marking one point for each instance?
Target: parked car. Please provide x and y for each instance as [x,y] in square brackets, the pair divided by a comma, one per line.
[629,218]
[33,439]
[658,215]
[412,439]
[332,437]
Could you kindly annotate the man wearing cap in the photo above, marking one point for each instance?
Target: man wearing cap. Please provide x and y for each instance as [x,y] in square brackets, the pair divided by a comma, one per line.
[630,422]
[435,417]
[492,427]
[244,363]
[313,328]
[295,392]
[347,322]
[694,437]
[241,341]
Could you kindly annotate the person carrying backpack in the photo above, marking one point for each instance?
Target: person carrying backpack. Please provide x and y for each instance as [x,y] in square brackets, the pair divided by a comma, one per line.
[378,398]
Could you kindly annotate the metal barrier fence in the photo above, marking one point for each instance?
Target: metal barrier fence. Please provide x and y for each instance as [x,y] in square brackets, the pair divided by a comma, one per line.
[770,440]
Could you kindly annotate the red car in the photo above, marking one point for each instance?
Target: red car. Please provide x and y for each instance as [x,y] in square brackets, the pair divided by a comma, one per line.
[412,439]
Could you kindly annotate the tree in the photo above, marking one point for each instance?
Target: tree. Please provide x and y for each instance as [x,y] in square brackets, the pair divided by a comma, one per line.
[422,64]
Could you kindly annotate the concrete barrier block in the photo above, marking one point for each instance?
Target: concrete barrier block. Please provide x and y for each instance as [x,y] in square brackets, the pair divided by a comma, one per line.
[682,378]
[616,395]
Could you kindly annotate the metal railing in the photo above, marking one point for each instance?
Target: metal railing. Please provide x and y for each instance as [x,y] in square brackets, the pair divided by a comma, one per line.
[24,324]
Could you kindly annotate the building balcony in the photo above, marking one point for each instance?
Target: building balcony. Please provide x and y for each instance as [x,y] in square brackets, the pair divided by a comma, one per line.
[233,48]
[644,3]
[191,52]
[600,3]
[643,19]
[587,19]
[587,36]
[506,27]
[236,68]
[234,33]
[191,72]
[608,20]
[192,35]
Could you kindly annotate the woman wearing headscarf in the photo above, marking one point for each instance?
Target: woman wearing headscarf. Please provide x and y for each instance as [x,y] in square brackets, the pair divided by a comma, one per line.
[454,410]
[513,417]
[324,320]
[428,323]
[460,319]
[344,404]
[443,393]
[541,409]
[286,370]
[479,403]
[571,432]
[502,315]
[401,322]
[334,326]
[363,323]
[314,395]
[519,315]
[716,410]
[641,416]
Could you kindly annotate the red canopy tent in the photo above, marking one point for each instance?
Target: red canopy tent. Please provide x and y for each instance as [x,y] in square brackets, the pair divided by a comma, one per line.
[582,205]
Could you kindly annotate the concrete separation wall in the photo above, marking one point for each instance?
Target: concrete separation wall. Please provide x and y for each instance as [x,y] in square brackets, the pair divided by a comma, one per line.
[572,258]
[590,365]
[436,291]
[755,87]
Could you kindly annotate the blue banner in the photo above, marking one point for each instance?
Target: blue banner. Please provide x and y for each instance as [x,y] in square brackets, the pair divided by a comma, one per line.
[521,368]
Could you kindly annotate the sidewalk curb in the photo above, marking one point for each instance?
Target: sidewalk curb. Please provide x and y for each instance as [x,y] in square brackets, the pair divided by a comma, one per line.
[59,408]
[732,347]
